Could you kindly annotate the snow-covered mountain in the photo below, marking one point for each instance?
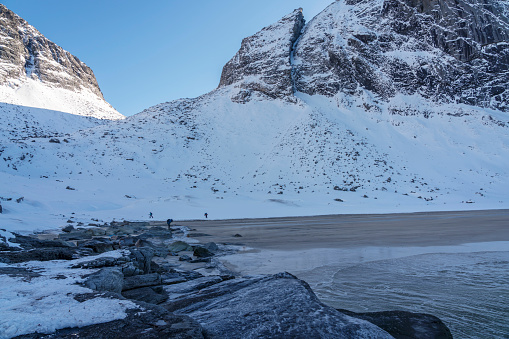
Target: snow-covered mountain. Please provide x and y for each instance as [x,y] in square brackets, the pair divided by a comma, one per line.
[442,50]
[349,113]
[35,72]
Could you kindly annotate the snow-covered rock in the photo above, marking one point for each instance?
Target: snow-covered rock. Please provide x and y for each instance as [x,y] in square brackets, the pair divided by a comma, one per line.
[35,72]
[445,51]
[262,66]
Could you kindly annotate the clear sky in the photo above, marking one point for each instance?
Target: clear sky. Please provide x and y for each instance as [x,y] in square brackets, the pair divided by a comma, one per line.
[152,51]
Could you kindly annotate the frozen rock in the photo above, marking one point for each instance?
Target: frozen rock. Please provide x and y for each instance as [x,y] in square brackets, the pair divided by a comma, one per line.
[276,306]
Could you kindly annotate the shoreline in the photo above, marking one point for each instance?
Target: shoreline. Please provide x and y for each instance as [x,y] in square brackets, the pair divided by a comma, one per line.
[356,230]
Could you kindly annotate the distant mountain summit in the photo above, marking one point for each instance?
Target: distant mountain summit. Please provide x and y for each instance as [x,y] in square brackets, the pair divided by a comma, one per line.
[445,51]
[36,72]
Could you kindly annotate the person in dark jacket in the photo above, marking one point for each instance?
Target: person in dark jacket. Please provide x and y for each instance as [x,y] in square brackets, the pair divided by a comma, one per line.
[206,215]
[169,221]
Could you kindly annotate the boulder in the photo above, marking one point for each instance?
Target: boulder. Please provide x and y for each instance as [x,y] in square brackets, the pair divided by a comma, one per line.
[128,269]
[144,280]
[98,263]
[31,242]
[179,246]
[401,324]
[39,254]
[275,306]
[68,228]
[95,231]
[211,246]
[108,279]
[146,294]
[202,252]
[142,258]
[99,245]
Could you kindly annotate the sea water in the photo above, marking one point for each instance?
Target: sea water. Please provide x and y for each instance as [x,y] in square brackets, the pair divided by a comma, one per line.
[469,292]
[466,286]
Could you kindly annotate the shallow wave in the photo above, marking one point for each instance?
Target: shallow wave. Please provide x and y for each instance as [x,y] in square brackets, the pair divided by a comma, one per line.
[468,291]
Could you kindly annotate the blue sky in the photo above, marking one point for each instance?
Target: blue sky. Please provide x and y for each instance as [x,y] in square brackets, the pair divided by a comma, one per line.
[147,52]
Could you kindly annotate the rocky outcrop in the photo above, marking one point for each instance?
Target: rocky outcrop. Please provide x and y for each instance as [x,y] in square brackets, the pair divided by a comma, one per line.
[443,50]
[28,53]
[402,325]
[276,306]
[262,66]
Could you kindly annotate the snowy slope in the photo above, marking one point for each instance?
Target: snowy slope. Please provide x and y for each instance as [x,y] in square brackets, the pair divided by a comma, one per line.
[298,154]
[267,158]
[33,93]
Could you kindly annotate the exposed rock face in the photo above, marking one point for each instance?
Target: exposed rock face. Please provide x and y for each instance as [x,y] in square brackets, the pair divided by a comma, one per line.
[444,50]
[263,63]
[297,313]
[27,55]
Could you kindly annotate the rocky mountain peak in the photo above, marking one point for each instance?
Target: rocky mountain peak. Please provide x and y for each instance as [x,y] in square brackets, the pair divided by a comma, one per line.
[262,66]
[449,51]
[30,54]
[45,72]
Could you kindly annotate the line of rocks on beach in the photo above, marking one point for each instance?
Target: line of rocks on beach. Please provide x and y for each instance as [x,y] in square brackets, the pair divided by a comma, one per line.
[161,274]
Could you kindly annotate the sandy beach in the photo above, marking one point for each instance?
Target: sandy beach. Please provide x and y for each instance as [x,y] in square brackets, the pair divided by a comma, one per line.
[344,231]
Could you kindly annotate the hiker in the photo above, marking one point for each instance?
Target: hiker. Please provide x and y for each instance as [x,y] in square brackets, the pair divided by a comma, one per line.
[150,215]
[1,209]
[169,221]
[206,215]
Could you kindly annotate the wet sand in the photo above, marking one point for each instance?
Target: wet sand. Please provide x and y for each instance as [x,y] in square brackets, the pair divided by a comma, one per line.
[344,231]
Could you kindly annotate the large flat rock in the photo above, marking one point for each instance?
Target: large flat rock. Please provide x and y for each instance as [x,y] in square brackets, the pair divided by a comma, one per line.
[274,306]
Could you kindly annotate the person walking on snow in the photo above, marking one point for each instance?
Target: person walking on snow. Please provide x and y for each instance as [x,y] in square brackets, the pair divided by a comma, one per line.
[150,215]
[206,215]
[169,221]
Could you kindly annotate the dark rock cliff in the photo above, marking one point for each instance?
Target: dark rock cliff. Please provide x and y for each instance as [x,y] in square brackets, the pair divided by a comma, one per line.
[263,62]
[443,50]
[447,51]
